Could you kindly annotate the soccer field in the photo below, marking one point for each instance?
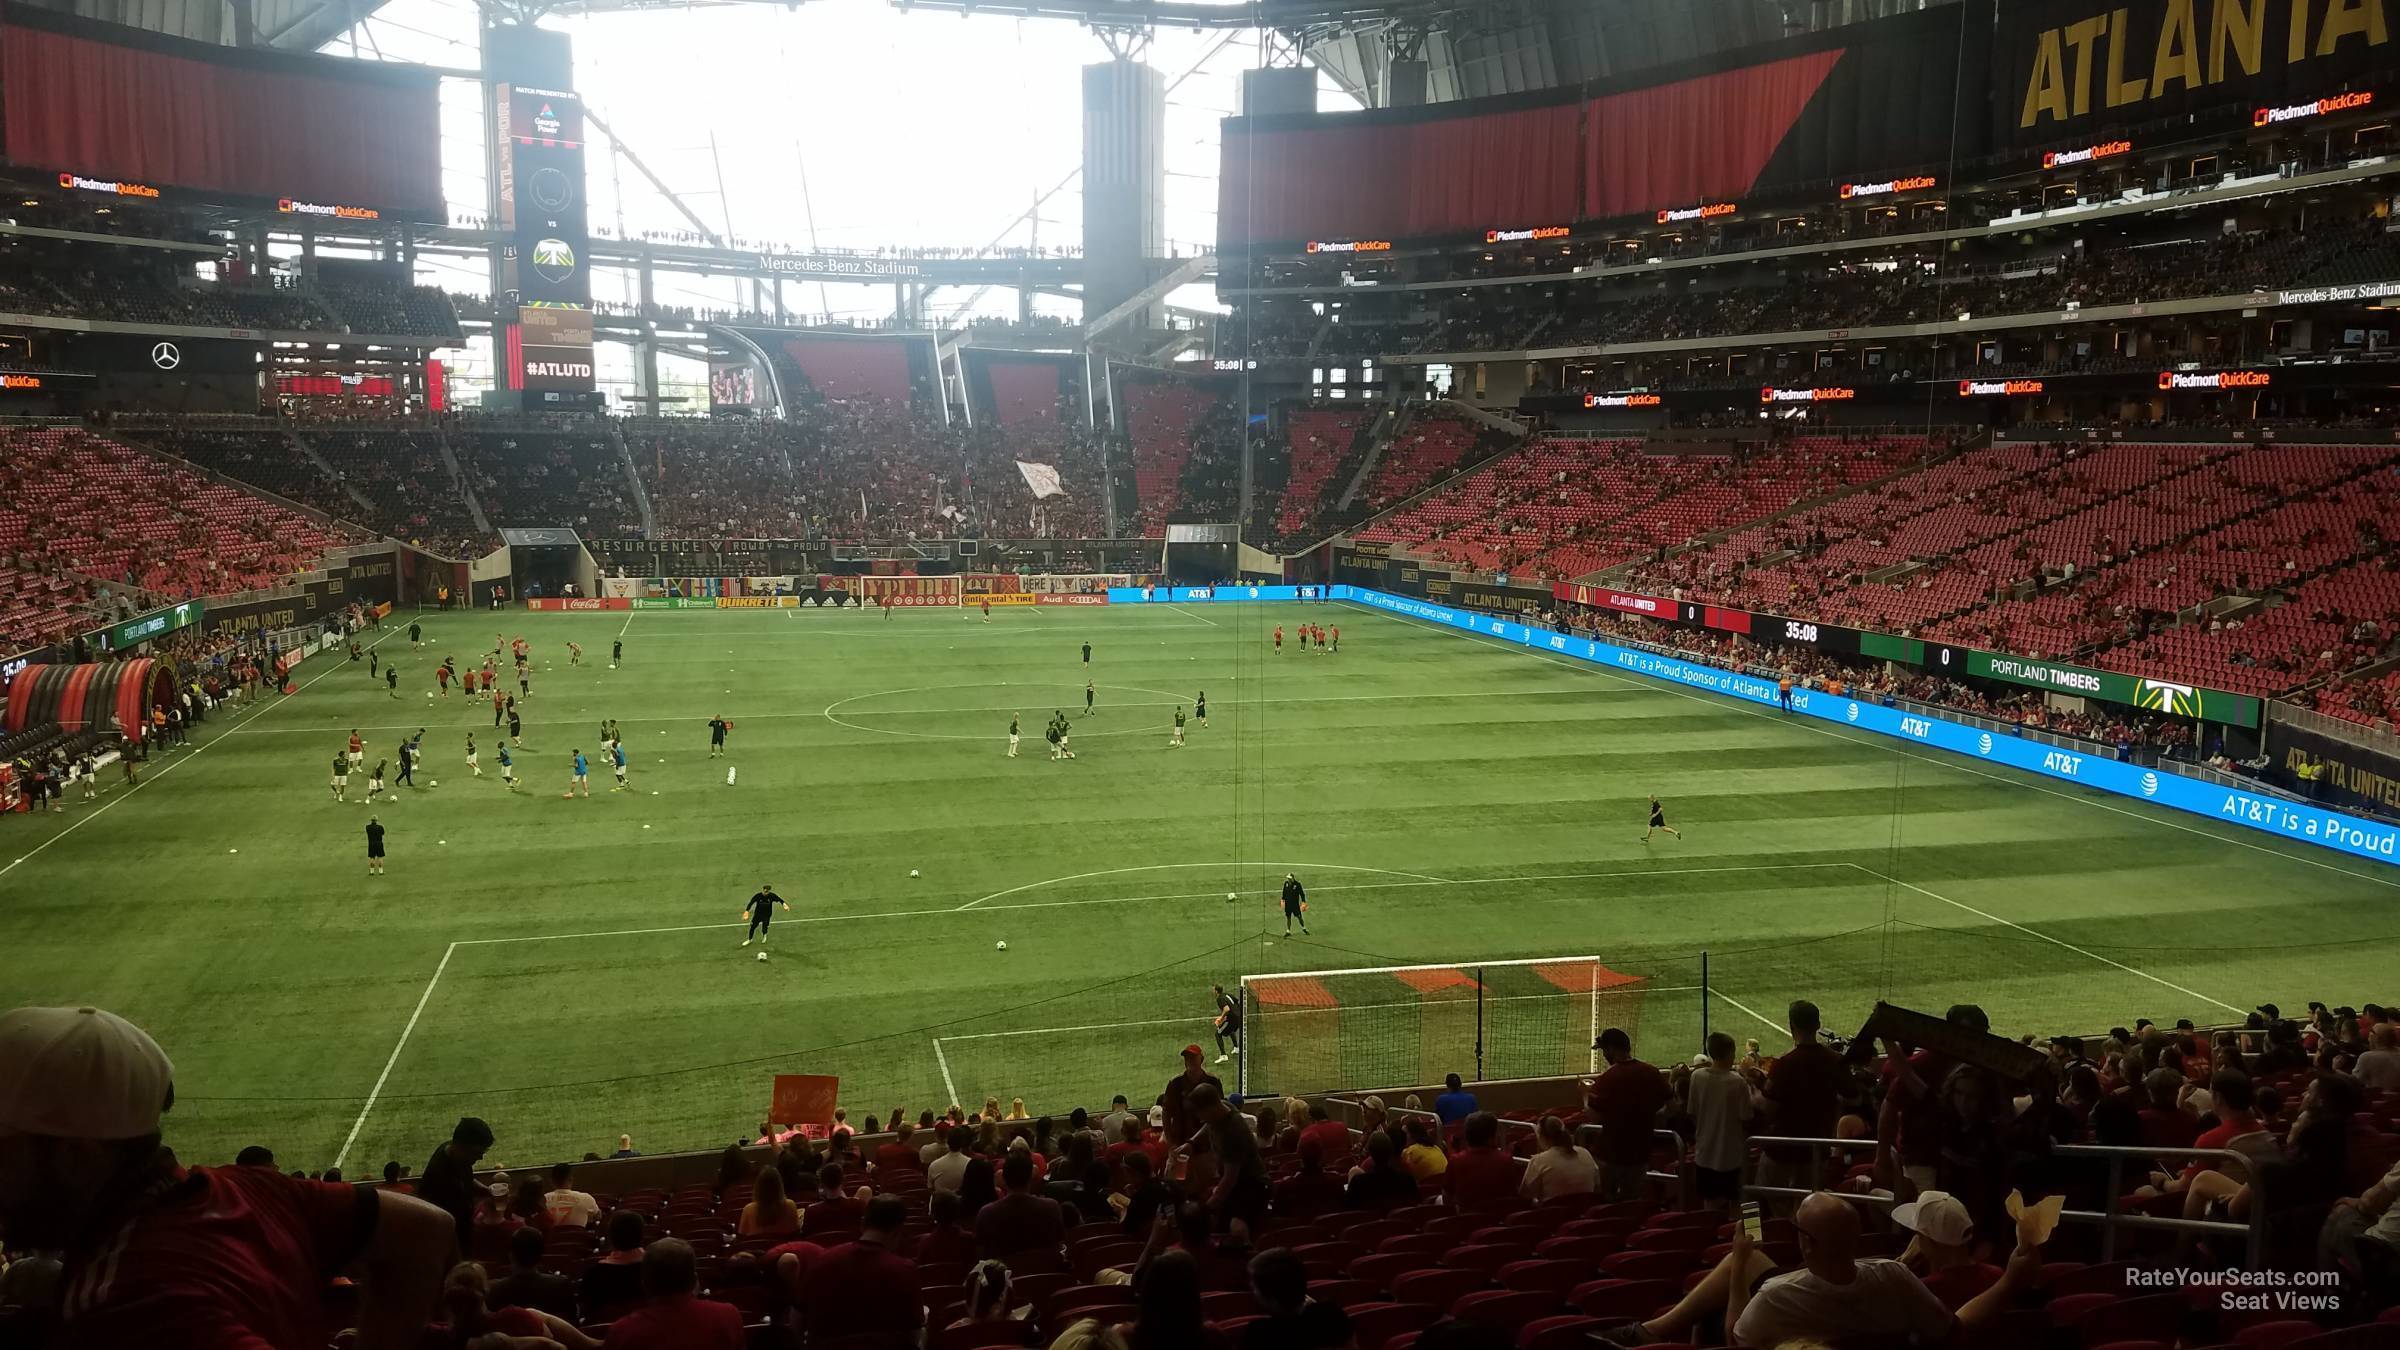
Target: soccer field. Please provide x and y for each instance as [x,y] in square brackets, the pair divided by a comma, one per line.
[571,969]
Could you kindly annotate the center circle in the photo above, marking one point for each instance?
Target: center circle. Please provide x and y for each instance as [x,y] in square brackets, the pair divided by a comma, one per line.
[1000,707]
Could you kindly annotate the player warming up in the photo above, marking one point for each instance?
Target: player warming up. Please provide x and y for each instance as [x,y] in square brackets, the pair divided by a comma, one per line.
[1087,653]
[374,847]
[375,783]
[717,727]
[1087,697]
[1175,740]
[474,761]
[1295,905]
[616,654]
[1229,1022]
[1658,821]
[616,757]
[582,781]
[1012,735]
[1279,639]
[1200,709]
[761,910]
[341,775]
[508,768]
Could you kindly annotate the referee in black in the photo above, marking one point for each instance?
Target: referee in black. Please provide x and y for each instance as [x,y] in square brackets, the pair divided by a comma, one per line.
[1295,905]
[408,764]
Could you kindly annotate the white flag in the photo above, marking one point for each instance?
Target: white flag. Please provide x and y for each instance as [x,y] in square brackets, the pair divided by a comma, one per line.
[1041,478]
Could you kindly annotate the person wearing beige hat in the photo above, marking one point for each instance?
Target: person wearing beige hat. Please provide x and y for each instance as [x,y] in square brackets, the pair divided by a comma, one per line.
[1941,1247]
[160,1254]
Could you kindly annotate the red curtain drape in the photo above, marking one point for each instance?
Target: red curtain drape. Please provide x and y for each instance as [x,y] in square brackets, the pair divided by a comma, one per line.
[1024,391]
[106,111]
[849,368]
[1400,178]
[1702,139]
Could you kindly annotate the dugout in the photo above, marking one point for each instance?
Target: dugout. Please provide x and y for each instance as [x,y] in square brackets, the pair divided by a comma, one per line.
[84,697]
[544,562]
[1198,554]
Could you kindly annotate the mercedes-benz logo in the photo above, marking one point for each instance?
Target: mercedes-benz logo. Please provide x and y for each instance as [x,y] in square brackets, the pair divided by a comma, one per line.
[166,356]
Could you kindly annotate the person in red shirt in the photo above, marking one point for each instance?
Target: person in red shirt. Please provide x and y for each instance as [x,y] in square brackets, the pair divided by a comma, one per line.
[837,1212]
[2164,1124]
[1482,1173]
[1624,1102]
[2234,1098]
[204,1258]
[1279,639]
[951,1242]
[1331,1137]
[1310,1191]
[1337,637]
[672,1318]
[899,1155]
[1805,1091]
[864,1288]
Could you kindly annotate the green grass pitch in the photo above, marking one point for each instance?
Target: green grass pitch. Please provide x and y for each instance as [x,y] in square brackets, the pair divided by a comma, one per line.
[570,969]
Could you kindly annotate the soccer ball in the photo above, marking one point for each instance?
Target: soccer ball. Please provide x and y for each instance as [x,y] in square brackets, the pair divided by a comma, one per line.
[1001,945]
[612,665]
[433,782]
[1229,895]
[429,693]
[912,873]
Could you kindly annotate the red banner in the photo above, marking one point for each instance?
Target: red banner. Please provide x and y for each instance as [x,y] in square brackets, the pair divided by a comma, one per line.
[804,1099]
[1605,598]
[1077,599]
[554,604]
[1731,620]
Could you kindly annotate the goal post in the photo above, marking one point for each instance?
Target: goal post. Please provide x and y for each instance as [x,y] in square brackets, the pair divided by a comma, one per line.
[1390,1026]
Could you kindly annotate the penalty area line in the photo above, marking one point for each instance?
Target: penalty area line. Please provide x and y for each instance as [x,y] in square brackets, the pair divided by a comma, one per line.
[375,1093]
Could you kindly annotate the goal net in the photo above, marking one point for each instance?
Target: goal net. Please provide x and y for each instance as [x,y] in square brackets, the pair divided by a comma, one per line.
[1395,1026]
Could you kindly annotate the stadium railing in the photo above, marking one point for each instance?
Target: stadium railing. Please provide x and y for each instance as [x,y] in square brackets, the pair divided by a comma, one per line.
[2110,1221]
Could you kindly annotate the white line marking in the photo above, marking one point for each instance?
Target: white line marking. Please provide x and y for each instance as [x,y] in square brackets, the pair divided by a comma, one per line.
[628,624]
[400,1045]
[1771,1023]
[147,779]
[1292,1012]
[1888,747]
[905,712]
[1201,617]
[1181,867]
[1146,899]
[944,1061]
[2035,932]
[828,712]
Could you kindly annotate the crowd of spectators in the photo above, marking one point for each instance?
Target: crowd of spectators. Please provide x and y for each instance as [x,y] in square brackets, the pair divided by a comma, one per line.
[1202,1219]
[86,505]
[1805,295]
[571,475]
[133,284]
[2126,732]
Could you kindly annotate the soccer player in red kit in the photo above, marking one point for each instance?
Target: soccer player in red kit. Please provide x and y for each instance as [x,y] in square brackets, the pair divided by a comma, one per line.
[1279,639]
[441,676]
[1337,637]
